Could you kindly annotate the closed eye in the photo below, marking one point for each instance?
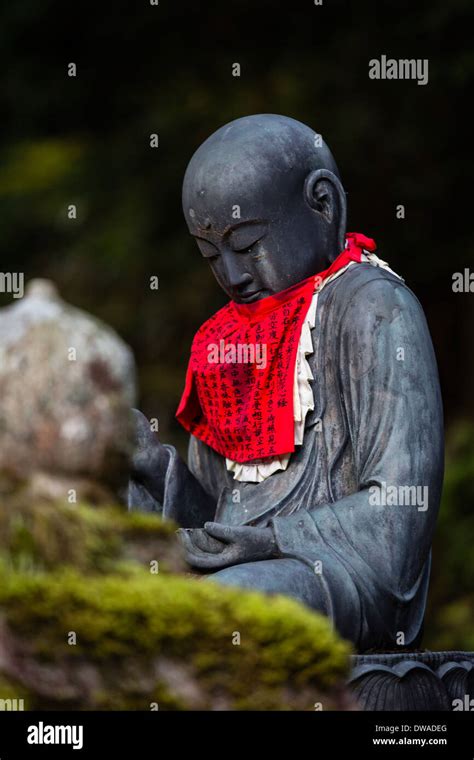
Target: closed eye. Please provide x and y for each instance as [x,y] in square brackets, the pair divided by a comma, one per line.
[246,249]
[245,237]
[208,250]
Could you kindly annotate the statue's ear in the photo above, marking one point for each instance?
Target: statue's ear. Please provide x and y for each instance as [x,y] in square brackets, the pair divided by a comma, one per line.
[325,194]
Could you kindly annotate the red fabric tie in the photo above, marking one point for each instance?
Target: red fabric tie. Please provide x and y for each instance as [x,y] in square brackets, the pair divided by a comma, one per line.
[238,395]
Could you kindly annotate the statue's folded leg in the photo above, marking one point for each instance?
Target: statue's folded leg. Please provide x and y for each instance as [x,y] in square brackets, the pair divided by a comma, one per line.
[290,577]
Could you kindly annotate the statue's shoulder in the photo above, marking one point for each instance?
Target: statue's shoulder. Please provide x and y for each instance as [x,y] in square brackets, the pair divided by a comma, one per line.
[367,287]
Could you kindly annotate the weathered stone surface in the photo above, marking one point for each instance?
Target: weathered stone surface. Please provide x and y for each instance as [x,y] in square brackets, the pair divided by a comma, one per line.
[66,385]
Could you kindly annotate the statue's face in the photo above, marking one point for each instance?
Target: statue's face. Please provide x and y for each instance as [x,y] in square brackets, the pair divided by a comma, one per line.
[264,205]
[259,237]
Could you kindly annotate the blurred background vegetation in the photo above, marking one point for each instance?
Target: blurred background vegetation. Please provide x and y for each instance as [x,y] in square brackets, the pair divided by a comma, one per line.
[166,69]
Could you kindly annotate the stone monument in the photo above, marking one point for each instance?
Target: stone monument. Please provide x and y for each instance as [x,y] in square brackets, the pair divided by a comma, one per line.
[315,461]
[66,383]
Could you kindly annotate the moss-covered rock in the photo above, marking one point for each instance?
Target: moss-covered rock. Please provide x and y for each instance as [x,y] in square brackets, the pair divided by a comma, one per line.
[128,639]
[92,618]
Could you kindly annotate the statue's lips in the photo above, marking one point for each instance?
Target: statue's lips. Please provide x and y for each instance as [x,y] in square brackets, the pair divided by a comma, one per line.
[254,295]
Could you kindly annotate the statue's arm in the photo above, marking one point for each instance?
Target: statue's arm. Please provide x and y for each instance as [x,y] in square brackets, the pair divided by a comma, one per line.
[161,482]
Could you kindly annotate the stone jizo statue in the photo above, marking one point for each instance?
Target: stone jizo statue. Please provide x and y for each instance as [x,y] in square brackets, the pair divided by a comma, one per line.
[317,471]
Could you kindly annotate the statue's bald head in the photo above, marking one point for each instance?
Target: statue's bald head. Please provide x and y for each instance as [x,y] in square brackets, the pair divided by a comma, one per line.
[263,198]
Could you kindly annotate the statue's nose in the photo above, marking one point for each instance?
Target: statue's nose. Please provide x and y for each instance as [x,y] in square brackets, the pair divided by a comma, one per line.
[237,277]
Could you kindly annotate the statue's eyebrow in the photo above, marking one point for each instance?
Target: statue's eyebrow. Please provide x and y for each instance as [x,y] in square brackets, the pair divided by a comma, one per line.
[243,223]
[204,233]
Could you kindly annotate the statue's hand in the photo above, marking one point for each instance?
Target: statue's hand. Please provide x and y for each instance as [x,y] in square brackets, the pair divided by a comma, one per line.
[150,458]
[221,546]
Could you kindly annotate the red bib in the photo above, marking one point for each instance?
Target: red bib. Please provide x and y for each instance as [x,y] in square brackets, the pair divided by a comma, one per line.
[238,396]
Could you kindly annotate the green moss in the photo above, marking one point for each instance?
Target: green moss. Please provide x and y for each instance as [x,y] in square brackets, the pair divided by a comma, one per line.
[141,637]
[44,535]
[142,616]
[12,695]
